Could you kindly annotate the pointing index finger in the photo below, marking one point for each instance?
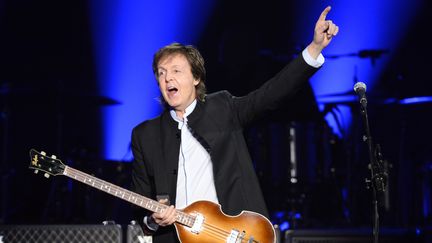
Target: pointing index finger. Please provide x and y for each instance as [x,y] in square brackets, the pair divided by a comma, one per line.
[324,14]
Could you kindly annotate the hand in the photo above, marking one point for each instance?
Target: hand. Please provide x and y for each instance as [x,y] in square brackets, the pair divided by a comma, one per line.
[166,217]
[324,32]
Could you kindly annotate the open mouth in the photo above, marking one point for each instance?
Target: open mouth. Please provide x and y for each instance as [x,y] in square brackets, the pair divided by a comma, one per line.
[172,90]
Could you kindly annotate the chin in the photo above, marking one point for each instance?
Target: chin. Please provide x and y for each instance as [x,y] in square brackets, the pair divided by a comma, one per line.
[172,105]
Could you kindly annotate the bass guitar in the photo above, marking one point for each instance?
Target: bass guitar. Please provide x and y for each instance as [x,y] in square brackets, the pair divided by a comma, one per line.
[201,221]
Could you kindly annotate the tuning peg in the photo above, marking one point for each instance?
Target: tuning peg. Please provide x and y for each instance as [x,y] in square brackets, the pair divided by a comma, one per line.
[36,171]
[43,153]
[53,157]
[46,175]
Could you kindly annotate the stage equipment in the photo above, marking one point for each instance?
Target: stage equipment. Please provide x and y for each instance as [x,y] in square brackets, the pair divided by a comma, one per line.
[135,234]
[60,233]
[348,235]
[379,173]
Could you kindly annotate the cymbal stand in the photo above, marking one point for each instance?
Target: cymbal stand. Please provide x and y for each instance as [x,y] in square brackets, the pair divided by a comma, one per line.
[379,175]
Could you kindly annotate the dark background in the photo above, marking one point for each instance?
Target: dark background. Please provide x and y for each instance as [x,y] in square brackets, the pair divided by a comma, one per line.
[49,99]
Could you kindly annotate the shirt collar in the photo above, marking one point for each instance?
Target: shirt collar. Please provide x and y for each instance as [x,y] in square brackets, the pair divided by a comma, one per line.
[188,111]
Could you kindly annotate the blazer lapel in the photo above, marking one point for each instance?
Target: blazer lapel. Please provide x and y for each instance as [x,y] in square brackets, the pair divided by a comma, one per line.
[170,137]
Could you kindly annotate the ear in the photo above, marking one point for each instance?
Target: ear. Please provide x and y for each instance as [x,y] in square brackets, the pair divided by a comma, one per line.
[196,82]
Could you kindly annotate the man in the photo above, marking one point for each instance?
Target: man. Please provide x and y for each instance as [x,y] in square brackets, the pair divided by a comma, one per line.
[195,150]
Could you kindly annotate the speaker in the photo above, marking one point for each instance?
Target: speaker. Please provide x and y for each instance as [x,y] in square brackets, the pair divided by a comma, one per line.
[60,233]
[349,236]
[135,234]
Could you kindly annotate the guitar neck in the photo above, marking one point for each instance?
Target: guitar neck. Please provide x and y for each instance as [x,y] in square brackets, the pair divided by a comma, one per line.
[126,195]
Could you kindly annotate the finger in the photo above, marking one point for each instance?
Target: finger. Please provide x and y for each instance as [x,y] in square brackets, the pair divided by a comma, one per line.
[167,211]
[163,201]
[160,216]
[330,25]
[172,217]
[331,28]
[321,28]
[169,217]
[337,30]
[324,13]
[156,217]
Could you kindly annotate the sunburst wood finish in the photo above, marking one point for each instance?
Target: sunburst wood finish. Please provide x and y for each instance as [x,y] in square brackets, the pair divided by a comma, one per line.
[217,226]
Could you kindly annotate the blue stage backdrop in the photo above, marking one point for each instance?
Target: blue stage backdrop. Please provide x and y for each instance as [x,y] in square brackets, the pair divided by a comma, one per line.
[126,34]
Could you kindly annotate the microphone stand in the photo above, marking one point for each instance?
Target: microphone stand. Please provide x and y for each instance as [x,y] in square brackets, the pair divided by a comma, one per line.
[378,180]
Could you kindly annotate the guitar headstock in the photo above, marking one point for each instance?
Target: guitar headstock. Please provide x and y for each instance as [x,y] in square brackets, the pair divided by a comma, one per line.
[41,162]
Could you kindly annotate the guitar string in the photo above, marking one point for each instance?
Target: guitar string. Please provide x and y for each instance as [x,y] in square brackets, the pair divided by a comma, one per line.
[223,233]
[113,189]
[216,235]
[216,229]
[98,183]
[212,230]
[225,237]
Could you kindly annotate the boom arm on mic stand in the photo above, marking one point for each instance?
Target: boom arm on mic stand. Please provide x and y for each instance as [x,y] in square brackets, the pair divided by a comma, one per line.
[378,180]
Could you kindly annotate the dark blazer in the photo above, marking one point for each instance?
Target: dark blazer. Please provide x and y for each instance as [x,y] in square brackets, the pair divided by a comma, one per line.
[217,123]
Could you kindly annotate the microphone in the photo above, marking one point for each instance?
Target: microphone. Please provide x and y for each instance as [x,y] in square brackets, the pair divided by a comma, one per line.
[360,89]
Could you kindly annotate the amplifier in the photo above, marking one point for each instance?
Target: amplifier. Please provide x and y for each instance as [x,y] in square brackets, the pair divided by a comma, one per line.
[349,236]
[135,234]
[60,233]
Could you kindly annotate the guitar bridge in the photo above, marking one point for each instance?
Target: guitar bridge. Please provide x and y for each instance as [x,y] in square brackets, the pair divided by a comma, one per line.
[235,236]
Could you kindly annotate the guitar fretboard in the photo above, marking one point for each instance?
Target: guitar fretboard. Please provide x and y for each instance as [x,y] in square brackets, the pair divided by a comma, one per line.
[126,195]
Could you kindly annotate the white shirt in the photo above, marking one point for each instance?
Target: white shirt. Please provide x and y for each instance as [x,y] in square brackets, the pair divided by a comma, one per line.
[311,61]
[195,170]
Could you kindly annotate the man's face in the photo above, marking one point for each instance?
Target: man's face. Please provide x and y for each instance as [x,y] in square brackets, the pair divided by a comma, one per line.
[176,81]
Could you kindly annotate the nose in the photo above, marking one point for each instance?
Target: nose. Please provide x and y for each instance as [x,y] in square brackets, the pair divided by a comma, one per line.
[168,77]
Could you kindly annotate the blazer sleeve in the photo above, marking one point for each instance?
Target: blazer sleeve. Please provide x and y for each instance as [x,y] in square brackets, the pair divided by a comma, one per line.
[141,169]
[141,178]
[268,97]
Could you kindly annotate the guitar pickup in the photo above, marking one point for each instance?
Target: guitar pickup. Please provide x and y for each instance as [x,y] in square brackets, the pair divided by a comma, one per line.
[197,225]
